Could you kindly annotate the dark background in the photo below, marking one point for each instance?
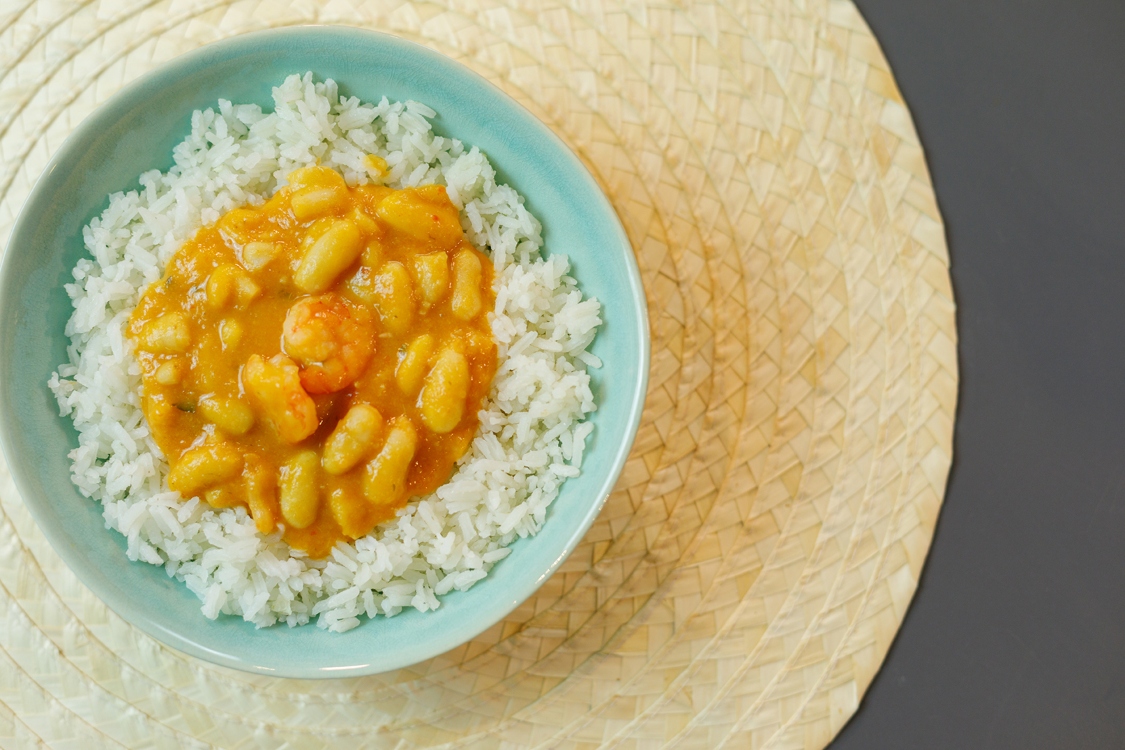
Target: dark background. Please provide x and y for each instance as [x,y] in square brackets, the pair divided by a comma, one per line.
[1016,637]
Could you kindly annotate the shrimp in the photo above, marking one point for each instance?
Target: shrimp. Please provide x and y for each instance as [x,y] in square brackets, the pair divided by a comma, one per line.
[274,384]
[332,340]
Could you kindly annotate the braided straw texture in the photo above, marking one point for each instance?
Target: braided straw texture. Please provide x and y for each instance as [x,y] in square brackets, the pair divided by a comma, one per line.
[745,579]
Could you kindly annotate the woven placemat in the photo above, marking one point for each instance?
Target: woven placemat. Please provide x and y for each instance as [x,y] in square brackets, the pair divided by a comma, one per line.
[746,577]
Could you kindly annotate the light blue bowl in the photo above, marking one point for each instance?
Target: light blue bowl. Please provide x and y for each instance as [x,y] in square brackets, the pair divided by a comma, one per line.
[135,132]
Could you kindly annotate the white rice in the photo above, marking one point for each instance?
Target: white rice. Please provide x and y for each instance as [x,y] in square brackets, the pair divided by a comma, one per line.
[532,432]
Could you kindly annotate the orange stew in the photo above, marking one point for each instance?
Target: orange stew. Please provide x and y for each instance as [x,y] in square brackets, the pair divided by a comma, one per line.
[320,359]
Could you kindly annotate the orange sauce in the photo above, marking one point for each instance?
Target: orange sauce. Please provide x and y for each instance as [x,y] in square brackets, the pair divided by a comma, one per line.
[343,309]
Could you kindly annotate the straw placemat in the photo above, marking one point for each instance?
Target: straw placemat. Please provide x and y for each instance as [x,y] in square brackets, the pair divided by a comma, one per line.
[746,578]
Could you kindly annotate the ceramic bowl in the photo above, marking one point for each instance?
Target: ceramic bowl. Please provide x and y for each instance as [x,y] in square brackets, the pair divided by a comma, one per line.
[134,132]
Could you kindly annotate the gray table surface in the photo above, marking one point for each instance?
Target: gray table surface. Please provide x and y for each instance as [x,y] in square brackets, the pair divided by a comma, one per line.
[1016,637]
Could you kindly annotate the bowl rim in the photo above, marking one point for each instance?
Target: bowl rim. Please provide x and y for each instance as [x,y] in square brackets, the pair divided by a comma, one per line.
[149,83]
